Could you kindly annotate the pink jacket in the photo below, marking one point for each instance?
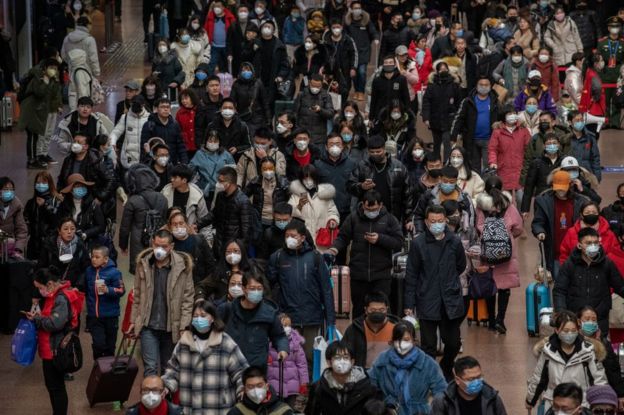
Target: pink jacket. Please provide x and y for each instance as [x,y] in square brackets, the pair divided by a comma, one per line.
[506,275]
[295,366]
[506,150]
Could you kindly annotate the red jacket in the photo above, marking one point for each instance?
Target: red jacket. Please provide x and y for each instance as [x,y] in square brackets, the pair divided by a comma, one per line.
[210,20]
[506,150]
[186,118]
[587,104]
[424,70]
[550,76]
[608,240]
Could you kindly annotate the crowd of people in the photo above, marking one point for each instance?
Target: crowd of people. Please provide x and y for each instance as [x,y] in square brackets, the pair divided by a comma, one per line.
[262,154]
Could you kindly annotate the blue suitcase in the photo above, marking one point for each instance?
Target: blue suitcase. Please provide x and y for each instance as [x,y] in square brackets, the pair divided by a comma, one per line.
[537,297]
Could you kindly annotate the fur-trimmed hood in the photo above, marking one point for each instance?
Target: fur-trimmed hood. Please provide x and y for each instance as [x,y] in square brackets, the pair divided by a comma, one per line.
[589,344]
[485,202]
[325,191]
[362,22]
[584,173]
[434,78]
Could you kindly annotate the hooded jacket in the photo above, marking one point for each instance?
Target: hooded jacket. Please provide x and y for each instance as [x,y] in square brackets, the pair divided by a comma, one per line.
[506,151]
[255,192]
[64,136]
[563,38]
[195,208]
[433,196]
[129,126]
[314,122]
[550,76]
[251,98]
[295,366]
[93,168]
[82,39]
[170,133]
[320,208]
[363,33]
[448,402]
[440,101]
[107,304]
[41,99]
[585,150]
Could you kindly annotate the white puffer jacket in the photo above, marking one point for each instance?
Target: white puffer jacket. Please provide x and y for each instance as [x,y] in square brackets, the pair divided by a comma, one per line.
[131,125]
[189,57]
[320,208]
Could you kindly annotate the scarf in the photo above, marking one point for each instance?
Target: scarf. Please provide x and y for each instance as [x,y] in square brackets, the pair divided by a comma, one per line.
[514,76]
[162,409]
[66,248]
[401,379]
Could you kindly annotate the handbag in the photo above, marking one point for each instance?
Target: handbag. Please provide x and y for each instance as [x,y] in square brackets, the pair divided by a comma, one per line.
[326,236]
[68,356]
[481,284]
[24,343]
[542,274]
[501,91]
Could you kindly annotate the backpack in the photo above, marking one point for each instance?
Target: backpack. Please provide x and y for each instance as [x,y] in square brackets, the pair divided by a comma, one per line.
[499,34]
[495,241]
[68,356]
[153,222]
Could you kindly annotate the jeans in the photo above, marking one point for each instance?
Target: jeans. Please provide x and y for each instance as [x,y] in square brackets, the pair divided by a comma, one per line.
[218,57]
[442,138]
[450,335]
[480,155]
[503,301]
[55,384]
[103,335]
[360,79]
[359,290]
[157,347]
[150,10]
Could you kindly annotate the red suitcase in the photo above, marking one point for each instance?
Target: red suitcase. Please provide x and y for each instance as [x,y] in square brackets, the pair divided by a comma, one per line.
[112,377]
[341,286]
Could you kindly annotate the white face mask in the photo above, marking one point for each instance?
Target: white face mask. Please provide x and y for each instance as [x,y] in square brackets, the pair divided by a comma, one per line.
[614,30]
[267,31]
[280,128]
[233,258]
[403,346]
[212,146]
[195,26]
[308,45]
[301,145]
[219,187]
[77,6]
[309,184]
[218,11]
[395,115]
[516,59]
[511,119]
[292,243]
[349,115]
[543,58]
[315,90]
[160,253]
[151,400]
[243,16]
[457,162]
[236,291]
[336,31]
[335,151]
[418,153]
[268,174]
[76,148]
[162,161]
[227,113]
[259,10]
[287,330]
[162,49]
[257,395]
[341,365]
[180,232]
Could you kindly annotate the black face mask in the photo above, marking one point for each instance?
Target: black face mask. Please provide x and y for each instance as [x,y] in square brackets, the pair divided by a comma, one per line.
[454,220]
[512,19]
[622,199]
[435,173]
[136,108]
[378,159]
[376,317]
[591,220]
[438,26]
[544,126]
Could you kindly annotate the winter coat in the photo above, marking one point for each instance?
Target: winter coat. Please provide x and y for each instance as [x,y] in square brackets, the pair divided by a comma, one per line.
[529,43]
[544,221]
[513,75]
[432,276]
[385,90]
[40,221]
[588,25]
[231,218]
[424,68]
[64,136]
[273,240]
[448,402]
[207,165]
[189,57]
[472,187]
[325,398]
[614,214]
[304,293]
[307,66]
[537,179]
[370,262]
[203,260]
[574,83]
[342,56]
[90,221]
[363,33]
[236,135]
[535,148]
[550,76]
[401,197]
[391,38]
[209,381]
[195,208]
[465,121]
[507,274]
[545,100]
[168,69]
[93,168]
[593,99]
[185,117]
[170,133]
[105,305]
[253,336]
[80,77]
[172,409]
[295,366]
[424,377]
[228,18]
[272,405]
[563,38]
[52,322]
[130,127]
[584,364]
[247,168]
[252,101]
[82,39]
[293,31]
[440,101]
[506,150]
[355,337]
[433,197]
[585,150]
[205,113]
[41,99]
[140,182]
[13,223]
[74,271]
[255,192]
[314,122]
[337,174]
[180,292]
[320,208]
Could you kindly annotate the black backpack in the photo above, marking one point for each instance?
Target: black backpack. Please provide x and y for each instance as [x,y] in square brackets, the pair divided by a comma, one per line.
[68,355]
[495,241]
[153,222]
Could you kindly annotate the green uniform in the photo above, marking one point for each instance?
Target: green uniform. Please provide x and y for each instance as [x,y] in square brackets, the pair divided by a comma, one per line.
[612,52]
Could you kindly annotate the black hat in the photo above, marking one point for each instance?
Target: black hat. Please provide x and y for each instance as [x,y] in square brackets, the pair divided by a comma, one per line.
[376,141]
[614,21]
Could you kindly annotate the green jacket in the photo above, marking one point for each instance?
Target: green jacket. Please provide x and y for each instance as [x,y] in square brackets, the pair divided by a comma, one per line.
[535,148]
[41,100]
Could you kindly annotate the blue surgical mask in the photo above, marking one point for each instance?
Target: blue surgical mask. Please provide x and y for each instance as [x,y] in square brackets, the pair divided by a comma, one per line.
[474,387]
[281,224]
[574,174]
[592,250]
[42,187]
[201,324]
[185,39]
[551,148]
[459,33]
[437,228]
[201,76]
[371,214]
[447,188]
[346,137]
[589,327]
[531,109]
[8,195]
[254,296]
[579,125]
[246,75]
[79,192]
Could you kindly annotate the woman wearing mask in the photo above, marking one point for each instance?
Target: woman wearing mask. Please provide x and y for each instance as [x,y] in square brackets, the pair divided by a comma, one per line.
[395,124]
[593,98]
[468,180]
[199,35]
[129,127]
[526,37]
[250,98]
[414,160]
[543,62]
[310,58]
[421,54]
[406,375]
[313,202]
[186,118]
[539,170]
[512,72]
[562,36]
[189,55]
[529,118]
[12,219]
[506,152]
[207,162]
[352,117]
[495,202]
[234,290]
[151,91]
[166,67]
[570,359]
[574,78]
[186,240]
[206,363]
[40,213]
[200,84]
[267,190]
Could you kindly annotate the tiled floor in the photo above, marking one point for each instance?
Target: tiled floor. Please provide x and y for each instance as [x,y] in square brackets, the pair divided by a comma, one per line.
[506,360]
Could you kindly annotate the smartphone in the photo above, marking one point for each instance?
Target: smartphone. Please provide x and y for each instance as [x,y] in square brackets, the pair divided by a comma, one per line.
[173,94]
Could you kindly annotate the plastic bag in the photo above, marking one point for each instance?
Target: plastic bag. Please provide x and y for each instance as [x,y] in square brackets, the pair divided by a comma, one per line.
[24,343]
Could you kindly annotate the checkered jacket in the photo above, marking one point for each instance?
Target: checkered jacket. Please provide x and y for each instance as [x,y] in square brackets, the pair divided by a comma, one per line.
[208,381]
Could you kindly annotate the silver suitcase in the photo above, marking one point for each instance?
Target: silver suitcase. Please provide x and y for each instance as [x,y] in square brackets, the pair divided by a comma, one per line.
[6,113]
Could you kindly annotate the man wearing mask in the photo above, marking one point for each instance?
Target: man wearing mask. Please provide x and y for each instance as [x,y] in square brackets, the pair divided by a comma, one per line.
[388,86]
[160,165]
[132,88]
[474,119]
[284,125]
[163,301]
[589,28]
[313,108]
[233,132]
[152,402]
[248,167]
[162,124]
[126,136]
[588,266]
[218,22]
[273,236]
[611,48]
[468,68]
[554,212]
[260,397]
[431,176]
[395,35]
[445,45]
[512,18]
[468,392]
[435,261]
[360,27]
[209,111]
[273,66]
[299,153]
[387,176]
[236,37]
[536,89]
[373,234]
[342,57]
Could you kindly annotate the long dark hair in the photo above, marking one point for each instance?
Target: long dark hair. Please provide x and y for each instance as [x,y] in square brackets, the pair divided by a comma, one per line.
[467,164]
[494,188]
[224,269]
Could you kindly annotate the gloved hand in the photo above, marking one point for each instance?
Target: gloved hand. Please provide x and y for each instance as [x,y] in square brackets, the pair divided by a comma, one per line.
[303,389]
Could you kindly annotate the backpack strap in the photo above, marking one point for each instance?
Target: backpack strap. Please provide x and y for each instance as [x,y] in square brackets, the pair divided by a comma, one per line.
[543,383]
[588,374]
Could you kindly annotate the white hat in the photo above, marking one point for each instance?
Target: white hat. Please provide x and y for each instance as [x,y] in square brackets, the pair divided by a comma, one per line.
[534,74]
[569,162]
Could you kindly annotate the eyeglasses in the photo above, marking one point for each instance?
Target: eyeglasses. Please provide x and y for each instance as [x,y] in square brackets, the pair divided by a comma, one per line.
[603,411]
[148,390]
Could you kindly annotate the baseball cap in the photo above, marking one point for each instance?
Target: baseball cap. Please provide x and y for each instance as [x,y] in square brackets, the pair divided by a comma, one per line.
[534,74]
[561,180]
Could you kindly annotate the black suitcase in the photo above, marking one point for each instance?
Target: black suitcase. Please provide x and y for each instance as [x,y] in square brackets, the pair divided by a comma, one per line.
[17,278]
[112,377]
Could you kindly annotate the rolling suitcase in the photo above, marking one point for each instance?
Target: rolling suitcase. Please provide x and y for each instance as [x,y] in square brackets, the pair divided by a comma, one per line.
[112,377]
[477,312]
[537,298]
[341,286]
[6,113]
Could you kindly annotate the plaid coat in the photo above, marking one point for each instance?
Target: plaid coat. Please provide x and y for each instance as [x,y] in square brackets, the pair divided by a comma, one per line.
[210,381]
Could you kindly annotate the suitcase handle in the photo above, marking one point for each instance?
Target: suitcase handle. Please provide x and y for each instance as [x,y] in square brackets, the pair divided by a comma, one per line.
[281,378]
[122,351]
[542,254]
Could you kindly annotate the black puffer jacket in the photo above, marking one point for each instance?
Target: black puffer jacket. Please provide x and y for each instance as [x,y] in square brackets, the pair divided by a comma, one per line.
[363,33]
[588,26]
[337,174]
[433,197]
[40,221]
[384,91]
[231,218]
[170,132]
[370,262]
[614,213]
[402,202]
[169,69]
[292,166]
[74,271]
[539,170]
[255,192]
[236,135]
[251,101]
[355,337]
[440,102]
[448,402]
[94,169]
[391,38]
[90,220]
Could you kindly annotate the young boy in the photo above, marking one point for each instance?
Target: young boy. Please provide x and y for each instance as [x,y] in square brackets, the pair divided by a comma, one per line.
[104,289]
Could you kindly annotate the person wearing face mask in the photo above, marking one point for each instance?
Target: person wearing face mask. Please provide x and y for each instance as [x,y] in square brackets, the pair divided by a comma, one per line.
[360,26]
[582,181]
[351,119]
[189,53]
[199,35]
[294,26]
[313,108]
[342,54]
[413,158]
[152,401]
[309,59]
[274,235]
[573,84]
[236,36]
[614,213]
[285,122]
[434,292]
[260,396]
[468,180]
[611,48]
[444,46]
[567,399]
[40,212]
[205,363]
[166,67]
[218,22]
[431,176]
[207,161]
[272,66]
[162,124]
[554,211]
[150,90]
[159,162]
[395,124]
[588,24]
[511,73]
[530,118]
[468,393]
[126,136]
[260,15]
[389,85]
[252,321]
[343,388]
[565,356]
[373,234]
[132,89]
[267,190]
[406,375]
[562,36]
[584,145]
[535,88]
[185,195]
[251,99]
[369,334]
[394,34]
[233,132]
[161,313]
[543,63]
[12,216]
[594,98]
[82,40]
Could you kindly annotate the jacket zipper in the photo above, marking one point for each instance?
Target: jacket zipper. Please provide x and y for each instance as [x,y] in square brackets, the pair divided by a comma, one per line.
[97,296]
